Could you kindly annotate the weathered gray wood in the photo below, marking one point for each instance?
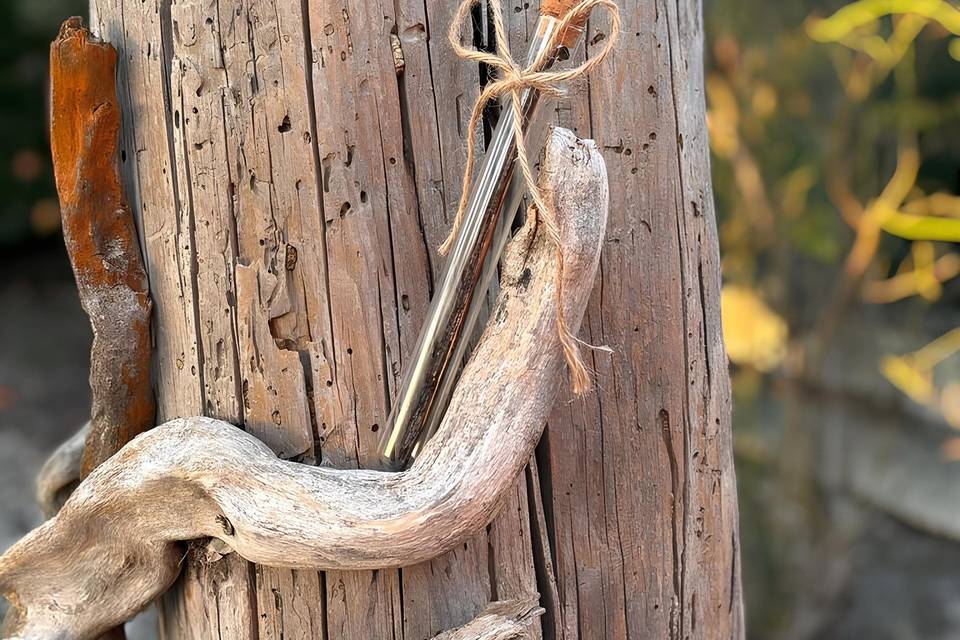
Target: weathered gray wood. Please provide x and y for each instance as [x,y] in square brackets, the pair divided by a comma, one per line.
[240,65]
[504,620]
[632,522]
[113,547]
[365,187]
[651,505]
[227,582]
[147,161]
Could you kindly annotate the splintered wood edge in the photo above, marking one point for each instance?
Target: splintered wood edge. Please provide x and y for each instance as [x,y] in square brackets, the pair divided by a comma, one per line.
[114,545]
[499,621]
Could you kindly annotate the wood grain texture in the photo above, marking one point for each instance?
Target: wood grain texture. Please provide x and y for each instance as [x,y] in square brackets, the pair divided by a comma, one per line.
[147,167]
[377,257]
[113,547]
[389,146]
[101,239]
[652,506]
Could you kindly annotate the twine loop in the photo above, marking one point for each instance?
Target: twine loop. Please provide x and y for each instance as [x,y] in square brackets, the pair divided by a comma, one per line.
[513,80]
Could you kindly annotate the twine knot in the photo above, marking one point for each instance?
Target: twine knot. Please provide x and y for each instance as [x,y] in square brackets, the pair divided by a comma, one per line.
[513,80]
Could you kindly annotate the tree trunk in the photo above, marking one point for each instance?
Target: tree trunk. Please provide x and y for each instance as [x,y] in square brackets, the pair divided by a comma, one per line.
[293,168]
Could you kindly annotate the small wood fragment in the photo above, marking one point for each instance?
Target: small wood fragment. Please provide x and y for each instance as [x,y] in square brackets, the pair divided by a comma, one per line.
[101,239]
[508,620]
[398,62]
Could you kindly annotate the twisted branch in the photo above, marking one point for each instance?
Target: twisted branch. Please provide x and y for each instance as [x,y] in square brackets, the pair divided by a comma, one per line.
[114,545]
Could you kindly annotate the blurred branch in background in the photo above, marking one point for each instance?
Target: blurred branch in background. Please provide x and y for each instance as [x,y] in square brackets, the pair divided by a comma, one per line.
[922,274]
[913,372]
[834,132]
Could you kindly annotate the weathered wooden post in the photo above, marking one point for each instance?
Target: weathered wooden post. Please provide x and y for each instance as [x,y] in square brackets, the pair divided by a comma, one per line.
[293,167]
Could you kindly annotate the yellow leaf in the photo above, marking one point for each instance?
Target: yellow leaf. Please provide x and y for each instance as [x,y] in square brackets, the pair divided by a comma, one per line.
[764,101]
[922,227]
[915,384]
[860,14]
[755,335]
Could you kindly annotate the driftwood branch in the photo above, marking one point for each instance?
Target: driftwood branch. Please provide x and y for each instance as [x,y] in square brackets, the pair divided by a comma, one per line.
[61,473]
[101,238]
[114,545]
[509,620]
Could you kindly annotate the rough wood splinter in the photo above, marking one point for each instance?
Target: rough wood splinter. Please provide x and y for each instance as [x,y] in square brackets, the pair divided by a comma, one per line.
[500,621]
[114,545]
[101,239]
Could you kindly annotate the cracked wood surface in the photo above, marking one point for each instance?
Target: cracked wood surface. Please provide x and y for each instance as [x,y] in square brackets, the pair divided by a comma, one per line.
[248,60]
[112,548]
[640,534]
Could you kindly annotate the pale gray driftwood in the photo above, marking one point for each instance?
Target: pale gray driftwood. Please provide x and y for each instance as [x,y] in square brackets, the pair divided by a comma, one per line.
[61,473]
[509,620]
[114,545]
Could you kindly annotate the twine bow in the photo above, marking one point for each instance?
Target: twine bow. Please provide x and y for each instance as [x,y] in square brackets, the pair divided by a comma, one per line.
[513,81]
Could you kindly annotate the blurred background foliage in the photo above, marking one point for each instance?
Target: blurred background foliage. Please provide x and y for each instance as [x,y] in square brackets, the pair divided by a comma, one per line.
[29,208]
[834,131]
[834,128]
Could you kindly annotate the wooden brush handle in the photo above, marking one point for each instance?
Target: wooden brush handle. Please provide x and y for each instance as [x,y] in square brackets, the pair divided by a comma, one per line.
[558,9]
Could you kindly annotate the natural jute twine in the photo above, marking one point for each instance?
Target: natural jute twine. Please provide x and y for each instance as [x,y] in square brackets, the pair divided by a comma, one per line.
[514,80]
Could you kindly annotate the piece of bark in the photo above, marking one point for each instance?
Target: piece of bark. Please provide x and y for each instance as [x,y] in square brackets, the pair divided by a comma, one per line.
[101,239]
[113,547]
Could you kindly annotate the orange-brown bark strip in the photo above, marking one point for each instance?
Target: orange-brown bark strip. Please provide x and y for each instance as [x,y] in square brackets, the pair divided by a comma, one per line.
[101,238]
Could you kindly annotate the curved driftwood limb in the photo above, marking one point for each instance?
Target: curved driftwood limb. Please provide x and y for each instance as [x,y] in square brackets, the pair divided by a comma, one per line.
[507,620]
[61,472]
[114,545]
[101,238]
